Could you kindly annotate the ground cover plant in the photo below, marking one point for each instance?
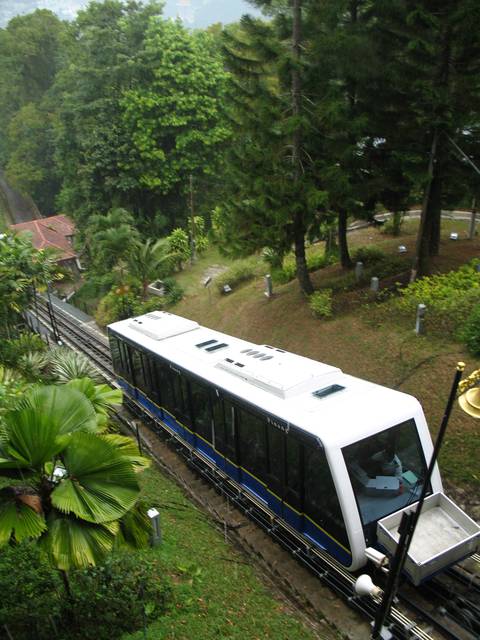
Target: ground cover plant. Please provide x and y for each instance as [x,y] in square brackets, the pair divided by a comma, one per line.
[216,592]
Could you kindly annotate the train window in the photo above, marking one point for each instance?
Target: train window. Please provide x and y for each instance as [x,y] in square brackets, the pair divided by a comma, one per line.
[201,410]
[321,501]
[252,429]
[276,440]
[224,424]
[180,396]
[138,375]
[115,351]
[293,476]
[386,470]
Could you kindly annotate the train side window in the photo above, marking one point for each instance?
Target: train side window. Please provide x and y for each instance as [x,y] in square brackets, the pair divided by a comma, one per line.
[224,427]
[115,351]
[181,406]
[138,376]
[321,501]
[293,471]
[252,430]
[276,441]
[126,368]
[201,410]
[164,377]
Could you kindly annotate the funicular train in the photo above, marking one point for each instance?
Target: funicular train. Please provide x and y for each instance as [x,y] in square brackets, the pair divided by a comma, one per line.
[328,453]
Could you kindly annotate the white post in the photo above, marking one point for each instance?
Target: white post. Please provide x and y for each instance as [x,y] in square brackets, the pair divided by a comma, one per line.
[419,323]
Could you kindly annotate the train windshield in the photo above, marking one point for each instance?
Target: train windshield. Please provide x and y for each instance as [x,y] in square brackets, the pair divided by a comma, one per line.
[386,470]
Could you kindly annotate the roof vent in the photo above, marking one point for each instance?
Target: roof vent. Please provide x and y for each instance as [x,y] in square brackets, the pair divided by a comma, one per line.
[327,391]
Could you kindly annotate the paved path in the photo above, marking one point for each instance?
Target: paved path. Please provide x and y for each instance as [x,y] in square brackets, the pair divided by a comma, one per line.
[20,208]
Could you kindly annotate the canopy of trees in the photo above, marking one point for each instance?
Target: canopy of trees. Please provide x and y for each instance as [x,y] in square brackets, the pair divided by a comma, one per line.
[283,125]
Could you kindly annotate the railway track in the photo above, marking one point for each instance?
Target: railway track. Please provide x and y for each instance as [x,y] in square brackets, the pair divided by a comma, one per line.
[449,605]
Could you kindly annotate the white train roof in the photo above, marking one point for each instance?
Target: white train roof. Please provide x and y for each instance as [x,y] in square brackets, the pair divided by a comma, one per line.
[299,390]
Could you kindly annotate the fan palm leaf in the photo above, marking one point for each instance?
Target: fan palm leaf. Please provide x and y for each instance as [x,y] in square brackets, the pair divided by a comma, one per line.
[128,449]
[102,397]
[135,528]
[100,486]
[32,439]
[73,544]
[67,408]
[18,520]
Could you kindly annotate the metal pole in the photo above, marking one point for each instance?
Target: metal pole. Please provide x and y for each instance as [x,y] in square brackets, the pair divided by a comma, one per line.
[51,313]
[473,220]
[410,519]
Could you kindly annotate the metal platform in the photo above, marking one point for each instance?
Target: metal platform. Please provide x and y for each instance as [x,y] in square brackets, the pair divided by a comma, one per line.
[444,535]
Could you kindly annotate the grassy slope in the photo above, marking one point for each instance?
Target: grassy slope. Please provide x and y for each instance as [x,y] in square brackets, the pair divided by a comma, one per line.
[217,593]
[379,350]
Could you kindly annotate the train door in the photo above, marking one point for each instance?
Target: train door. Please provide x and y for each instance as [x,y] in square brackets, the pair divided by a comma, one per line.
[225,434]
[202,417]
[275,474]
[293,494]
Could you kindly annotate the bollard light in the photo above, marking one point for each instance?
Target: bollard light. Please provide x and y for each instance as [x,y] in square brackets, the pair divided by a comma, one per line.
[227,288]
[268,286]
[454,235]
[374,284]
[156,537]
[359,271]
[419,323]
[402,248]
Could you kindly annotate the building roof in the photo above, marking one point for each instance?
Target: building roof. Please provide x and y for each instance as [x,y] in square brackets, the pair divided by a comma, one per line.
[53,232]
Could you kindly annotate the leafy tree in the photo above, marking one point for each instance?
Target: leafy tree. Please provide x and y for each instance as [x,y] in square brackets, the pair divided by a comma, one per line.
[29,58]
[72,484]
[179,246]
[102,59]
[173,113]
[433,54]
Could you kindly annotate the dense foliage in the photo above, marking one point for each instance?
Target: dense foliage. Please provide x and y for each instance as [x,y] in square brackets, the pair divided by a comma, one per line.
[135,125]
[450,299]
[118,596]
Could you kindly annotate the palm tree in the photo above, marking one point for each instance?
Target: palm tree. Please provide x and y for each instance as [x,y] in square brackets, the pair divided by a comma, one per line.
[70,485]
[110,237]
[148,261]
[65,365]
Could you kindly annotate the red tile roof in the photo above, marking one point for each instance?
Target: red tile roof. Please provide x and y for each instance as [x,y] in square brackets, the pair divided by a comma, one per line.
[50,232]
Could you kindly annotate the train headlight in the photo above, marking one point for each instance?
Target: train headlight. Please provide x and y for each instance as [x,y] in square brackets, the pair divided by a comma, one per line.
[365,587]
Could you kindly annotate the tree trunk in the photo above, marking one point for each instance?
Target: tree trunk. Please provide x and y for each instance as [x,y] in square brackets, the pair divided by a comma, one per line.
[345,259]
[299,221]
[428,240]
[421,262]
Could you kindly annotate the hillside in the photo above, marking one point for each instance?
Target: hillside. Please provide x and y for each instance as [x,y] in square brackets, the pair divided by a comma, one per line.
[357,339]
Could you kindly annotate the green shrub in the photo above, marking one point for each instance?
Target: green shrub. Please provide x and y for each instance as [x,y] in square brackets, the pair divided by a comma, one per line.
[108,600]
[179,247]
[320,303]
[13,350]
[289,270]
[32,594]
[174,291]
[113,598]
[241,271]
[318,261]
[368,255]
[470,332]
[449,297]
